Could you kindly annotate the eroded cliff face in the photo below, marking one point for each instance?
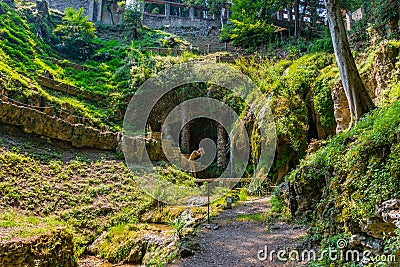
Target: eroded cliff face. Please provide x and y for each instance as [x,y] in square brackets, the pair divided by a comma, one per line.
[352,184]
[380,72]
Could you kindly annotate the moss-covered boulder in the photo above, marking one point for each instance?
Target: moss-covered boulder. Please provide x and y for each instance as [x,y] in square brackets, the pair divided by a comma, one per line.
[46,250]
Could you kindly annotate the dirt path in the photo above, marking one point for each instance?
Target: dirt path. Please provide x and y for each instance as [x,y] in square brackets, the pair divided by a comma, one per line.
[236,242]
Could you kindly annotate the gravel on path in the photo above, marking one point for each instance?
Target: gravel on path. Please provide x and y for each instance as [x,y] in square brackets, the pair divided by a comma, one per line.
[237,243]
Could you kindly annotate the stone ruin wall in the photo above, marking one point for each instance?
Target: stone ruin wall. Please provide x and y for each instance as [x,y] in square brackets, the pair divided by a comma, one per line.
[94,9]
[96,12]
[176,22]
[76,4]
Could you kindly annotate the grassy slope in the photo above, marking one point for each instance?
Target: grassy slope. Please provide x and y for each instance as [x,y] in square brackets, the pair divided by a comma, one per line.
[44,193]
[46,186]
[24,56]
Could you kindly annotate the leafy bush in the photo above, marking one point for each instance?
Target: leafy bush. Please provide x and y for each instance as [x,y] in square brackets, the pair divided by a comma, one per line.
[76,34]
[131,17]
[322,45]
[247,34]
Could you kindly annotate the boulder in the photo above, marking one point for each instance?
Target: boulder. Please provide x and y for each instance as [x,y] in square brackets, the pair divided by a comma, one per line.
[341,107]
[47,250]
[366,243]
[390,211]
[385,221]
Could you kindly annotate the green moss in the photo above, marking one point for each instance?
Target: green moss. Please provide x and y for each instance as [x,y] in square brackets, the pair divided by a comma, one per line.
[17,225]
[60,193]
[258,217]
[361,167]
[323,102]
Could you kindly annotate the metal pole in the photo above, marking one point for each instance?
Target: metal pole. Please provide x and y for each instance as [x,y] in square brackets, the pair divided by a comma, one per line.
[208,202]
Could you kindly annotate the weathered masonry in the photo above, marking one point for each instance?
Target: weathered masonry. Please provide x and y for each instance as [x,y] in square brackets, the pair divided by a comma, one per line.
[156,13]
[161,13]
[97,10]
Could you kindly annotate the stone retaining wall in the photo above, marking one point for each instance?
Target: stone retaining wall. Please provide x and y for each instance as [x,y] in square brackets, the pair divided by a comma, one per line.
[95,9]
[66,88]
[34,121]
[76,4]
[158,22]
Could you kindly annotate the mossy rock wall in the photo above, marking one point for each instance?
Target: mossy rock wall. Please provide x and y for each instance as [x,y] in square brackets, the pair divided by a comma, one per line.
[48,250]
[34,121]
[339,187]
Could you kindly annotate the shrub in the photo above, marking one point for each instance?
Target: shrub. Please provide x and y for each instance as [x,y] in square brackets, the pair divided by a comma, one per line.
[248,34]
[76,34]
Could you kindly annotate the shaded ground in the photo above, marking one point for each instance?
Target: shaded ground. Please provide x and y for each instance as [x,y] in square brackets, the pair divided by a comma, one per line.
[236,243]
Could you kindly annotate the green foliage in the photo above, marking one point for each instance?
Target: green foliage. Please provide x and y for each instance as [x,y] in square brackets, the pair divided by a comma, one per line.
[323,102]
[361,167]
[386,17]
[24,56]
[381,18]
[293,54]
[132,15]
[248,34]
[250,11]
[251,23]
[291,86]
[76,34]
[392,243]
[279,209]
[331,244]
[23,226]
[289,102]
[179,226]
[119,242]
[243,194]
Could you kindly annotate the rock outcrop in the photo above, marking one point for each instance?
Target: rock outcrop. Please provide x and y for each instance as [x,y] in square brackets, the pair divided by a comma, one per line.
[382,70]
[341,107]
[386,220]
[34,121]
[377,77]
[48,250]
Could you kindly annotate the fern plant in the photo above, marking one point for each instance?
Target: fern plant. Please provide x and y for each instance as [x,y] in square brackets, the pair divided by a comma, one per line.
[76,34]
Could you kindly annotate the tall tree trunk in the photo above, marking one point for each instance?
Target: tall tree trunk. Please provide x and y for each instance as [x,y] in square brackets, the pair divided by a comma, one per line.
[359,100]
[303,14]
[296,18]
[111,15]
